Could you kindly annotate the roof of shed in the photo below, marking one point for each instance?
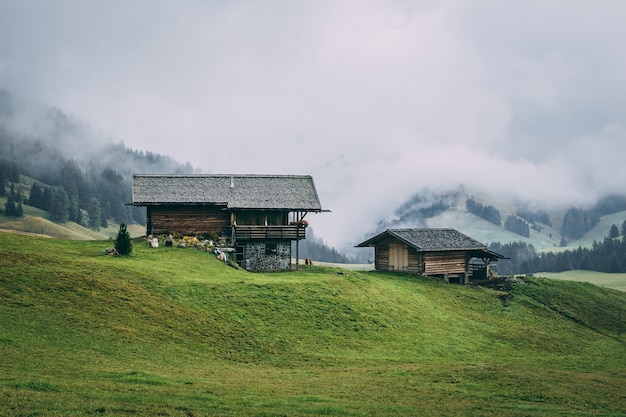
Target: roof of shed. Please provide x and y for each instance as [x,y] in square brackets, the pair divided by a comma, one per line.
[429,239]
[270,192]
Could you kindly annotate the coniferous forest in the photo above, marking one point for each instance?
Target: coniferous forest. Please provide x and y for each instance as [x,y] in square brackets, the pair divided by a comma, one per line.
[77,175]
[608,255]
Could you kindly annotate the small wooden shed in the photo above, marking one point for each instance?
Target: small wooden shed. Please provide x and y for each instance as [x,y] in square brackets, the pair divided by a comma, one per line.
[446,253]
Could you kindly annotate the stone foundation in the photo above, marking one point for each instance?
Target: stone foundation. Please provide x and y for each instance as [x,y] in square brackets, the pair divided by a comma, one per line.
[267,255]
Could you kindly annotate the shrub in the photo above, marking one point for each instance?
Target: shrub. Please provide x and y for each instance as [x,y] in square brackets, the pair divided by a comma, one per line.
[123,242]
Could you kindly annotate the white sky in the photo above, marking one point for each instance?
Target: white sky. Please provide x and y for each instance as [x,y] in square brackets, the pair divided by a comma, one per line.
[375,99]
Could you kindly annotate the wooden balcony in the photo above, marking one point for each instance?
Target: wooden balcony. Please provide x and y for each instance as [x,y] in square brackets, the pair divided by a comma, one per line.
[288,232]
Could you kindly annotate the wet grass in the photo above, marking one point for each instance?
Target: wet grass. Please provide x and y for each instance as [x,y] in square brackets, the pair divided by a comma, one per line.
[175,332]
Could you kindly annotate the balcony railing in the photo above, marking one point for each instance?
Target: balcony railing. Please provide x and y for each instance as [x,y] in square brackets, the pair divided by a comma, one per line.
[291,232]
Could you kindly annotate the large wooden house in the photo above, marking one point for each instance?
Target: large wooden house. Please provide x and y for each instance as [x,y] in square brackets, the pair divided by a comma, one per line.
[260,215]
[446,253]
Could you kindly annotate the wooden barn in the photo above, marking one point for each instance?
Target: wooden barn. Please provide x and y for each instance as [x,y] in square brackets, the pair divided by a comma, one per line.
[446,253]
[260,215]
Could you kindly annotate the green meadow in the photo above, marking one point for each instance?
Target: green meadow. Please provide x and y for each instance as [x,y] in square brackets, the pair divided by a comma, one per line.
[175,332]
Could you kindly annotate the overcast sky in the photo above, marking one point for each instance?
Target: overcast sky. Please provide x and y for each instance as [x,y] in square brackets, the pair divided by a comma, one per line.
[375,99]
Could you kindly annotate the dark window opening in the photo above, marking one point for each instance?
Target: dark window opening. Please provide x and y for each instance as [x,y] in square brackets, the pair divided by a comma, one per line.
[270,249]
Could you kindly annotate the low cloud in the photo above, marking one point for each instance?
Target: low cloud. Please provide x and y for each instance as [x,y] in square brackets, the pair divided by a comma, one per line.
[376,99]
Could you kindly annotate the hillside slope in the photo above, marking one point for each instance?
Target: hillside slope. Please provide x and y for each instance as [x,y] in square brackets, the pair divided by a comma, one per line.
[175,332]
[430,208]
[35,221]
[546,239]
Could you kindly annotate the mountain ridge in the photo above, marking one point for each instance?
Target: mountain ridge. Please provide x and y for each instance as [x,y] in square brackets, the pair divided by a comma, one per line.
[450,209]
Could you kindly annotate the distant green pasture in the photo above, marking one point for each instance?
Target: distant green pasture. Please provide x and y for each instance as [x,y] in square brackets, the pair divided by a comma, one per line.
[615,281]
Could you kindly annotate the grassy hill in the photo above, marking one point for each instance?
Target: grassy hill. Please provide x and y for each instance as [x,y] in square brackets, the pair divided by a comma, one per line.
[35,221]
[615,281]
[174,332]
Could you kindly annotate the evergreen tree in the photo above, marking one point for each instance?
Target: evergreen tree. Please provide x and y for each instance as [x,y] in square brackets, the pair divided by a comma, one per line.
[59,211]
[19,198]
[48,196]
[489,213]
[123,242]
[35,196]
[624,228]
[613,232]
[74,210]
[517,225]
[19,210]
[120,213]
[103,220]
[2,180]
[577,222]
[9,206]
[14,172]
[95,213]
[614,264]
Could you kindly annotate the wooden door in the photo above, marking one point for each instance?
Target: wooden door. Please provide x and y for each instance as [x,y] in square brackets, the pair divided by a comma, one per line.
[398,257]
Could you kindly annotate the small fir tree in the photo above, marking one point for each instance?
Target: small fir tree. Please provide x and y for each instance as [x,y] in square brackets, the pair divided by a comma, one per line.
[59,208]
[46,200]
[103,221]
[95,213]
[613,232]
[123,242]
[9,206]
[35,196]
[2,180]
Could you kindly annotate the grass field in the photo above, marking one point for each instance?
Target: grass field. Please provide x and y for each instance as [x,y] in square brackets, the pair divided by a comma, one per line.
[35,222]
[174,332]
[615,281]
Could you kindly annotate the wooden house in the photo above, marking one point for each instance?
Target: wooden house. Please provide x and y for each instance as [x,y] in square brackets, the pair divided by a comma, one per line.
[446,253]
[260,215]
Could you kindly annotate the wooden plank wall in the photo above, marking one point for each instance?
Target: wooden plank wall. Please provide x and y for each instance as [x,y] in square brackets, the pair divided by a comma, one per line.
[416,262]
[439,263]
[381,256]
[189,220]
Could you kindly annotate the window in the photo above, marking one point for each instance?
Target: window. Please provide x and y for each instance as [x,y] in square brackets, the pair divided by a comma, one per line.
[270,249]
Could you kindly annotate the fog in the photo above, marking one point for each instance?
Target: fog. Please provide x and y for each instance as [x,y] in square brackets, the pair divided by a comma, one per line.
[376,99]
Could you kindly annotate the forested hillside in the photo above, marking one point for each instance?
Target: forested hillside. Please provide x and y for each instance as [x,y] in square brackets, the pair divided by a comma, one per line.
[490,219]
[71,171]
[608,255]
[59,164]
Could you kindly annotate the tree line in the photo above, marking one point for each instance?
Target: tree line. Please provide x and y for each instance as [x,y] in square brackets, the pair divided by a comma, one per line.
[608,255]
[316,249]
[489,213]
[88,184]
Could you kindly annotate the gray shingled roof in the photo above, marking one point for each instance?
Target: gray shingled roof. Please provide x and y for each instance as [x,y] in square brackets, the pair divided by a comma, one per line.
[430,239]
[274,192]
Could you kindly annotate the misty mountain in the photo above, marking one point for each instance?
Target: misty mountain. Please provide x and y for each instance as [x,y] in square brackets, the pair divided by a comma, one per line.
[82,175]
[494,219]
[536,239]
[79,174]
